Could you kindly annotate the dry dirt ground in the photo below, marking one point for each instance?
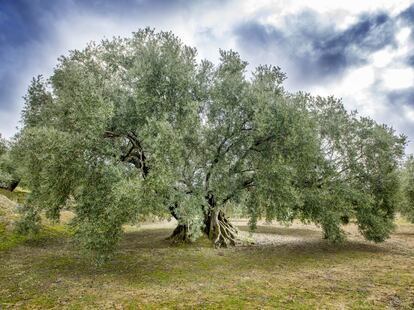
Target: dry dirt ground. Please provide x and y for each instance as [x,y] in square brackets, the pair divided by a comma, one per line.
[288,268]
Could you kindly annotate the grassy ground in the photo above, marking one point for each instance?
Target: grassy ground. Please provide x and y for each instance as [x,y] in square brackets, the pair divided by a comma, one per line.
[289,268]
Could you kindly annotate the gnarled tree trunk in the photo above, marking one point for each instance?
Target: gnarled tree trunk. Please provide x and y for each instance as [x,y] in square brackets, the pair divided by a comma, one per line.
[180,234]
[219,229]
[216,227]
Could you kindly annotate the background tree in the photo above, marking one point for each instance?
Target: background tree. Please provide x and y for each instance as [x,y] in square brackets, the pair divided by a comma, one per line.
[407,191]
[137,126]
[3,145]
[357,176]
[8,173]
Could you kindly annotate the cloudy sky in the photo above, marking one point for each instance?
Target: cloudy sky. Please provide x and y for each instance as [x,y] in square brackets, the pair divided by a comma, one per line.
[361,51]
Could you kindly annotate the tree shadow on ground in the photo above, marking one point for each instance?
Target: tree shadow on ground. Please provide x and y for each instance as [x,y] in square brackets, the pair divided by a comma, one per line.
[147,239]
[292,240]
[283,231]
[404,233]
[146,257]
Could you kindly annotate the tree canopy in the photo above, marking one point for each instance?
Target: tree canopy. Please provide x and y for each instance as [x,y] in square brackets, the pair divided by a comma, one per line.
[8,173]
[138,126]
[407,189]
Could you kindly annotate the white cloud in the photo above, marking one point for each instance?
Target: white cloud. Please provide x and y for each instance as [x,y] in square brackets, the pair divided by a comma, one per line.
[409,113]
[394,79]
[403,35]
[382,58]
[358,80]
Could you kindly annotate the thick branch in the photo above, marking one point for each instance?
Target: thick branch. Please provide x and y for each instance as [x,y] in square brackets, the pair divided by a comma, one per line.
[220,153]
[214,162]
[138,159]
[244,185]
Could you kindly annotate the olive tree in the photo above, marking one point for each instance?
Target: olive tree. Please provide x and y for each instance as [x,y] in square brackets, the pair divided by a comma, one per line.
[407,190]
[8,173]
[358,175]
[137,126]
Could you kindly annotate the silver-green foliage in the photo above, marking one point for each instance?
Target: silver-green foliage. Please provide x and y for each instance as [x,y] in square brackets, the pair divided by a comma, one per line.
[407,190]
[8,173]
[138,126]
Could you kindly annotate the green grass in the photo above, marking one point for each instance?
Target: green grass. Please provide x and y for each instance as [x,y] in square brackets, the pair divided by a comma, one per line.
[148,272]
[11,239]
[289,268]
